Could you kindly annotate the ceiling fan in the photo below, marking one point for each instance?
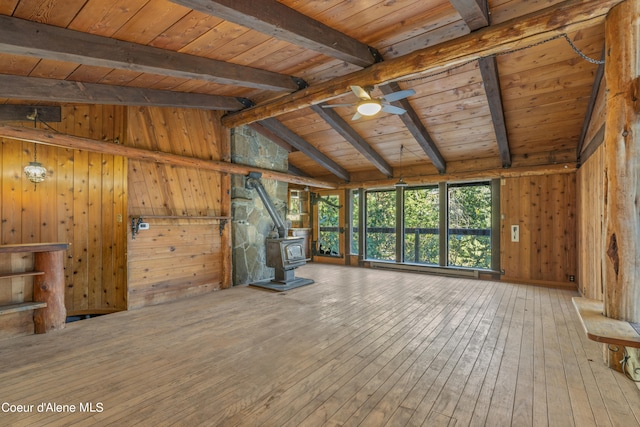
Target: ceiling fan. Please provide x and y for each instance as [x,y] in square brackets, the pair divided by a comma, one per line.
[369,106]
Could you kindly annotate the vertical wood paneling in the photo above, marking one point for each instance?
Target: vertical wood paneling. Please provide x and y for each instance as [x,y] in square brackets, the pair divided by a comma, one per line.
[119,279]
[174,258]
[78,203]
[179,192]
[590,210]
[544,208]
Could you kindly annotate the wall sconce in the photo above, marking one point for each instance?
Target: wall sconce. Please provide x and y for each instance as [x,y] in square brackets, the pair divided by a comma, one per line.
[34,171]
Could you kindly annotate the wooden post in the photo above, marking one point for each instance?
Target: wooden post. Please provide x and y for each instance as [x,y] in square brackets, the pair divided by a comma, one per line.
[621,267]
[49,288]
[224,145]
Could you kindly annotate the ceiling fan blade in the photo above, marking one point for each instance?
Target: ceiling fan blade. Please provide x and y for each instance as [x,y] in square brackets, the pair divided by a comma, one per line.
[336,105]
[356,116]
[360,93]
[393,109]
[399,95]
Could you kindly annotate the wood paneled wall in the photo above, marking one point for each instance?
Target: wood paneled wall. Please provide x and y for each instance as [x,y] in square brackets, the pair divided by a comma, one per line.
[591,191]
[545,209]
[178,255]
[174,258]
[82,202]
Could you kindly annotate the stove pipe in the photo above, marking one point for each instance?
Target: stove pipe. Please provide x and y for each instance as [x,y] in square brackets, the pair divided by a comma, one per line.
[253,181]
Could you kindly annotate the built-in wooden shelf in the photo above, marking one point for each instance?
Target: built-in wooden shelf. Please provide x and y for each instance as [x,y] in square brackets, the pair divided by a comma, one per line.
[48,284]
[601,328]
[183,217]
[23,274]
[33,247]
[23,306]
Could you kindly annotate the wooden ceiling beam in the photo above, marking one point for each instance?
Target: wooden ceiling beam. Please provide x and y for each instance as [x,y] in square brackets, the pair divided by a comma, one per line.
[312,152]
[414,125]
[24,113]
[280,21]
[569,16]
[475,13]
[352,137]
[78,143]
[491,79]
[32,39]
[592,103]
[39,89]
[295,171]
[271,136]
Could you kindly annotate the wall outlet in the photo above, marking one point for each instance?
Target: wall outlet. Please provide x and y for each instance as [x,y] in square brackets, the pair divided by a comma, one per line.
[515,233]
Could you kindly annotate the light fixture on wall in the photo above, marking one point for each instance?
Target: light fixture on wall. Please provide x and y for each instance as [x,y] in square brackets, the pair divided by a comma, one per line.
[401,182]
[34,171]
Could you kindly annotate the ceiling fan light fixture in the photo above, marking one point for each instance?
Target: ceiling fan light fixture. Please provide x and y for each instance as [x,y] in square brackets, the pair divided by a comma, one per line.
[369,107]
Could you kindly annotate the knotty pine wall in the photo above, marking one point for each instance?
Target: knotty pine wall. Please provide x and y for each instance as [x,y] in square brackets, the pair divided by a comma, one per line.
[544,207]
[82,202]
[591,192]
[179,255]
[591,195]
[88,200]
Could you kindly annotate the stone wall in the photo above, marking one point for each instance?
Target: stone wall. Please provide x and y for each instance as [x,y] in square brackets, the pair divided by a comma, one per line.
[251,223]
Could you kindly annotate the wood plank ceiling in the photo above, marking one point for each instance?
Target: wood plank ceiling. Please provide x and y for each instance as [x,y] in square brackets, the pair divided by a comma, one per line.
[491,90]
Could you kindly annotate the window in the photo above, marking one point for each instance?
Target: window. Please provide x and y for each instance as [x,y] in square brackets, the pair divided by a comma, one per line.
[469,225]
[446,225]
[355,214]
[329,225]
[421,225]
[381,228]
[295,205]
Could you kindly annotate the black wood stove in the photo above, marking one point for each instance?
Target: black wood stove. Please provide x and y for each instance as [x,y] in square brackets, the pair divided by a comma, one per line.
[284,254]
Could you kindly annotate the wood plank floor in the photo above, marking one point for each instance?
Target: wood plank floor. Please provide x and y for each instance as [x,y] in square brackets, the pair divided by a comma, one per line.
[358,347]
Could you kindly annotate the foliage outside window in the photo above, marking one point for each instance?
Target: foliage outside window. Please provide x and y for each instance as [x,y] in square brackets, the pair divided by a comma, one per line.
[469,234]
[295,205]
[329,225]
[355,214]
[468,225]
[381,220]
[421,225]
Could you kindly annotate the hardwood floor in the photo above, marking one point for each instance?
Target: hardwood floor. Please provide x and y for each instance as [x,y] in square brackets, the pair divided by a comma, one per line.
[358,347]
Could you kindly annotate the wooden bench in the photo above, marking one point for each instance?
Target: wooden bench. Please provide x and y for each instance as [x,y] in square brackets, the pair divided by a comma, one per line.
[603,329]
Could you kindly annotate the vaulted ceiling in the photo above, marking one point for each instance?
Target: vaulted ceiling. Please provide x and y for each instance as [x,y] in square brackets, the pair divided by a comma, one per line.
[497,83]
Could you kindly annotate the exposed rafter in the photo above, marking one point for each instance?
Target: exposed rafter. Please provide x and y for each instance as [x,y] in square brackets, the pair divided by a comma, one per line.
[39,89]
[36,40]
[91,145]
[312,152]
[280,21]
[272,137]
[489,71]
[475,13]
[295,171]
[592,102]
[352,137]
[23,113]
[413,123]
[569,16]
